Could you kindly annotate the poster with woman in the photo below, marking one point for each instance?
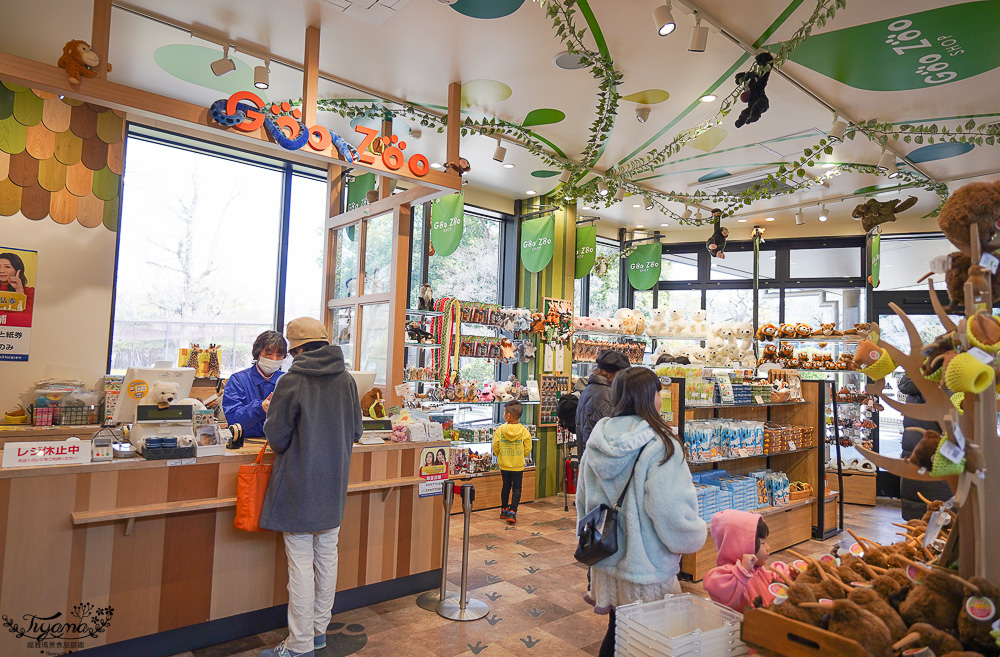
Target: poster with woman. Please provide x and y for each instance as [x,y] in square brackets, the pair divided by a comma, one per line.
[434,463]
[18,272]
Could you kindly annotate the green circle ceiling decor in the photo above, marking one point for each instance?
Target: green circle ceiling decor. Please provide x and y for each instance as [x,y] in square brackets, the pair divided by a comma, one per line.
[193,63]
[647,97]
[487,8]
[477,93]
[543,117]
[399,127]
[544,174]
[923,50]
[941,151]
[708,140]
[714,175]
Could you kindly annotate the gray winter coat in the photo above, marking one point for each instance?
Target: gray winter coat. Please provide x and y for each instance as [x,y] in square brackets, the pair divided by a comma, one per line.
[312,423]
[595,404]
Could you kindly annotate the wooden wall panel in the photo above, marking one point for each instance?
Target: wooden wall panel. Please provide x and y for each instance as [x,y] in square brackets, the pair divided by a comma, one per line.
[236,583]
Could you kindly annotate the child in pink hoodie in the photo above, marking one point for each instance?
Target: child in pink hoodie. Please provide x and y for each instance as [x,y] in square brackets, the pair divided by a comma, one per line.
[740,574]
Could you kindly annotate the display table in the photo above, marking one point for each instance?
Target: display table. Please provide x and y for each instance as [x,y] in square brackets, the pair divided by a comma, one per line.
[488,485]
[156,543]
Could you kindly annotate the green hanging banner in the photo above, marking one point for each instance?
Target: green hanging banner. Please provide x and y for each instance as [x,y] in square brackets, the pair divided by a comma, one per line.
[537,238]
[644,265]
[357,189]
[447,220]
[586,250]
[875,257]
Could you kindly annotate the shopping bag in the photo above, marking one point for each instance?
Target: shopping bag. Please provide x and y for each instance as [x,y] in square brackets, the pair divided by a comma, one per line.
[251,487]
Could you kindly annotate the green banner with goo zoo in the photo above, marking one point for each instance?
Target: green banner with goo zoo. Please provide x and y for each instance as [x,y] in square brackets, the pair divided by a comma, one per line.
[586,250]
[644,266]
[537,236]
[447,221]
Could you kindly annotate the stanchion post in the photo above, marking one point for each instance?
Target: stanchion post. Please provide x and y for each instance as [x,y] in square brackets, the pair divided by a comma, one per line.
[430,599]
[464,608]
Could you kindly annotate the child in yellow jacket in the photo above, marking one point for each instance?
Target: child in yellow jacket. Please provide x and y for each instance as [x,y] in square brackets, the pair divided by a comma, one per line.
[511,444]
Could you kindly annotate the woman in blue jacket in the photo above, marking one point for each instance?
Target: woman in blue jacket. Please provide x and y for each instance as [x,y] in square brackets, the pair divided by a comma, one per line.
[658,521]
[248,392]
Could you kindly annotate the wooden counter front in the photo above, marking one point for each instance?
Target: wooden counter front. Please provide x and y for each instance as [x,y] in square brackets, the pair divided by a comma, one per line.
[170,570]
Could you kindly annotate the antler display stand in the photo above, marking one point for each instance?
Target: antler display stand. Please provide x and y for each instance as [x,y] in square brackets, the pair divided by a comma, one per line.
[976,421]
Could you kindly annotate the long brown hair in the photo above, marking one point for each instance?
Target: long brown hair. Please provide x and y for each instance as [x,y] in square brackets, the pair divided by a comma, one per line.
[633,391]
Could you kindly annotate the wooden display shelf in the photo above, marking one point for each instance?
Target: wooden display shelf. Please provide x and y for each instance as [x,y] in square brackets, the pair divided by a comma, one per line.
[789,525]
[488,486]
[774,634]
[697,407]
[859,487]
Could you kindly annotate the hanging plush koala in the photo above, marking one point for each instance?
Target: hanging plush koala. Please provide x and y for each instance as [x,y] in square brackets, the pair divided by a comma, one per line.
[716,244]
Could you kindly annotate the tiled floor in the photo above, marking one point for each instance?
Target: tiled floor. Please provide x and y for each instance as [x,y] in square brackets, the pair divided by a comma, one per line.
[534,588]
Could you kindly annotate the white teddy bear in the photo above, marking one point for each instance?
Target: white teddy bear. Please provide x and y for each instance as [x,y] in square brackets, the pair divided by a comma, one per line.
[748,360]
[657,325]
[725,331]
[165,393]
[744,334]
[677,323]
[697,355]
[698,328]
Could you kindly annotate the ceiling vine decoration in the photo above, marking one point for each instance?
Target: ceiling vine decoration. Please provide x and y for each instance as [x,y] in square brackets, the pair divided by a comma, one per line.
[789,177]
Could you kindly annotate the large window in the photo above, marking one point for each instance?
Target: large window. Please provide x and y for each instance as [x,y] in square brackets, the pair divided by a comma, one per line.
[603,296]
[200,243]
[472,272]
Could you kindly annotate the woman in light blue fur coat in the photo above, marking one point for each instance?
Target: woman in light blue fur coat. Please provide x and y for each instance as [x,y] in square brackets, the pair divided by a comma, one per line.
[658,521]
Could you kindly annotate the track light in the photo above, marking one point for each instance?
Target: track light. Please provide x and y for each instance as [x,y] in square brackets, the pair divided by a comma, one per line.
[620,194]
[890,170]
[261,75]
[602,187]
[416,134]
[699,36]
[799,218]
[884,162]
[836,134]
[697,216]
[564,176]
[641,114]
[649,203]
[687,213]
[500,153]
[225,65]
[664,20]
[823,214]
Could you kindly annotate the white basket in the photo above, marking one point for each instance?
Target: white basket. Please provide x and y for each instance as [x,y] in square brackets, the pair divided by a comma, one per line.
[677,625]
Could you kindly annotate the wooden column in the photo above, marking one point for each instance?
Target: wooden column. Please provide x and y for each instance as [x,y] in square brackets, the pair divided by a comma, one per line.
[310,76]
[384,182]
[454,121]
[398,273]
[100,34]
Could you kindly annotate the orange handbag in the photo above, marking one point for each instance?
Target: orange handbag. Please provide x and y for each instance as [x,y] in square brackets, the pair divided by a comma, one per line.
[251,487]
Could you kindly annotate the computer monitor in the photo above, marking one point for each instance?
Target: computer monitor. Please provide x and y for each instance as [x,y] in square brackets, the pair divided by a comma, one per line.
[139,380]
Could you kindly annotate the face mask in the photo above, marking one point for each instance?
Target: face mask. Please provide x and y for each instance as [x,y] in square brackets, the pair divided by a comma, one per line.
[268,366]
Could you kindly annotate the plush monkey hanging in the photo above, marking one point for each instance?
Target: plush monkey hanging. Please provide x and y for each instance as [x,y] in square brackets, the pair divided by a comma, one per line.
[753,94]
[716,244]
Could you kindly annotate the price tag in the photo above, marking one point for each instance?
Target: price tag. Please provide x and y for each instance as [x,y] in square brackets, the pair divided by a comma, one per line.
[980,608]
[402,390]
[915,574]
[989,261]
[743,452]
[779,591]
[725,389]
[791,445]
[857,550]
[759,399]
[982,355]
[956,431]
[951,451]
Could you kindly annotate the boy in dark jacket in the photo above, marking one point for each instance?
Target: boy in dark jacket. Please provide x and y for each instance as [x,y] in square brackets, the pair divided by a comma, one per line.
[595,400]
[313,420]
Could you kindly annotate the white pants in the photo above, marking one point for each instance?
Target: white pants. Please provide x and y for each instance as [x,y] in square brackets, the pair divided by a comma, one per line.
[312,585]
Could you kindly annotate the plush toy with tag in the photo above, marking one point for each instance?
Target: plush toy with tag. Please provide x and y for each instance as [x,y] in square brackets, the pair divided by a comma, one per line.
[676,324]
[167,393]
[373,404]
[79,60]
[698,328]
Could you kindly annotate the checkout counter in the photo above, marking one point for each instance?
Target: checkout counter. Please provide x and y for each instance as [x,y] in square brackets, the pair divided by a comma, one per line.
[154,540]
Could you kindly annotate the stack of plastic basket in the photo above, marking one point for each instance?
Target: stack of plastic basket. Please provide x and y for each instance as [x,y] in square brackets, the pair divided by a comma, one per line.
[683,624]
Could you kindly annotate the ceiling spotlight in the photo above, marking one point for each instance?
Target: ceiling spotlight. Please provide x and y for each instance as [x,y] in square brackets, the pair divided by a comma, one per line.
[708,98]
[261,75]
[836,134]
[823,214]
[637,205]
[664,225]
[649,203]
[699,36]
[531,192]
[564,176]
[664,20]
[799,218]
[891,171]
[640,225]
[741,221]
[500,152]
[437,165]
[225,65]
[508,165]
[620,194]
[697,216]
[769,219]
[687,213]
[885,161]
[602,187]
[416,133]
[641,113]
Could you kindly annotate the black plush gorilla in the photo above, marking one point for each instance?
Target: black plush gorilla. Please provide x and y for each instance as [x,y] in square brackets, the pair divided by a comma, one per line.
[754,95]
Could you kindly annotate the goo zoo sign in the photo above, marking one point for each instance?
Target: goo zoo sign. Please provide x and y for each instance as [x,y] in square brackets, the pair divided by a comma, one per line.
[245,111]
